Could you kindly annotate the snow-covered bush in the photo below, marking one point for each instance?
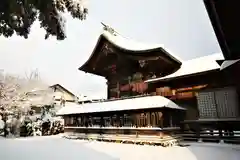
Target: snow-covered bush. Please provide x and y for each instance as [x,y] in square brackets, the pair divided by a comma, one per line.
[2,125]
[41,127]
[18,97]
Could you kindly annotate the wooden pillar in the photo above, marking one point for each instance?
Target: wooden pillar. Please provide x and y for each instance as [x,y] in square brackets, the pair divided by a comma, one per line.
[220,128]
[170,119]
[118,120]
[108,90]
[153,119]
[121,117]
[130,89]
[138,116]
[198,135]
[118,90]
[111,121]
[160,119]
[101,122]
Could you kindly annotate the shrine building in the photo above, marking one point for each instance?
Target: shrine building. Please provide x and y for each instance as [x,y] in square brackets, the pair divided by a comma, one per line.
[150,87]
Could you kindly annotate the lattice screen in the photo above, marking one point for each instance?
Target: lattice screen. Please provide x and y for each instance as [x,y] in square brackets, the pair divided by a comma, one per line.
[206,105]
[218,103]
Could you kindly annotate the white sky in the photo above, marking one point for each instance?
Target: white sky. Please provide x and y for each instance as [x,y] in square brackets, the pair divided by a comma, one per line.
[182,26]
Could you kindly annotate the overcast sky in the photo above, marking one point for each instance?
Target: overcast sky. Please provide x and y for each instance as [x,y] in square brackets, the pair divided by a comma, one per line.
[181,25]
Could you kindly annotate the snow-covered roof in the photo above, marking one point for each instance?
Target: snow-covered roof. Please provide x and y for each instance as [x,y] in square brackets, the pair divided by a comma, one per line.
[83,98]
[147,102]
[197,65]
[131,45]
[64,88]
[128,46]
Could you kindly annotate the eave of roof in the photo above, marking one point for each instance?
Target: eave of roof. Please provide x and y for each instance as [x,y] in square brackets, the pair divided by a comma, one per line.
[228,63]
[148,102]
[130,46]
[224,16]
[194,66]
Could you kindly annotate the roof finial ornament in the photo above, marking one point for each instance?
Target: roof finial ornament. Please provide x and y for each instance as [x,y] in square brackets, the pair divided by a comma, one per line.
[109,29]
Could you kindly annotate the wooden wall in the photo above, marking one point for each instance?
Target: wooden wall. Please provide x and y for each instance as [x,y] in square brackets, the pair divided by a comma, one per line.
[184,90]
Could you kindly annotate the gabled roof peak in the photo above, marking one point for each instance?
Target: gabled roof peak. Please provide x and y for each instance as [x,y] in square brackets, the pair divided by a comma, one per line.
[112,41]
[129,44]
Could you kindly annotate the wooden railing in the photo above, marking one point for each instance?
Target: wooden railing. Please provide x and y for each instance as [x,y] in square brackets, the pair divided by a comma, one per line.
[214,130]
[211,136]
[220,131]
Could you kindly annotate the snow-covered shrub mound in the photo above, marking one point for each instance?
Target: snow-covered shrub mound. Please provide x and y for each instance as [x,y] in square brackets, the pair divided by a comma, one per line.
[31,125]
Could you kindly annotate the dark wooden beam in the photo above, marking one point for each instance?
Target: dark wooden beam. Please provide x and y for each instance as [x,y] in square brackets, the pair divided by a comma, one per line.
[224,16]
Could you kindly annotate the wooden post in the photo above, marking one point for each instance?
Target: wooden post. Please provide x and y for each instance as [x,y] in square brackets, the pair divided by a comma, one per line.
[118,90]
[137,134]
[220,129]
[199,139]
[171,121]
[111,121]
[161,135]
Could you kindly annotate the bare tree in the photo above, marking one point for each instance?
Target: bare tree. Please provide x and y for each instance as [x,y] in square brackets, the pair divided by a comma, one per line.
[9,86]
[37,92]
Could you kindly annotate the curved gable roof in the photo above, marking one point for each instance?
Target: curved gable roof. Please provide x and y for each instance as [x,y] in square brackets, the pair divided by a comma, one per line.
[132,47]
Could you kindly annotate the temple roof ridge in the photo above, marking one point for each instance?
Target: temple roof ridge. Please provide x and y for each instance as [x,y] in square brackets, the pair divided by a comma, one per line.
[130,44]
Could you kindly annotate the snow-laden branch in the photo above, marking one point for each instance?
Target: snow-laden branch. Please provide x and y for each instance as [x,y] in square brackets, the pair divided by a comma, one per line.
[19,94]
[18,16]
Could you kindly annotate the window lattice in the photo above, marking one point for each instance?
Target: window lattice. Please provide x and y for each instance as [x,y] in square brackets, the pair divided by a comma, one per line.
[220,103]
[206,105]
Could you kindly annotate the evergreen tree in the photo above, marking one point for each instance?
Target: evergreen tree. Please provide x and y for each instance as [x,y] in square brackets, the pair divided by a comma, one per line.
[17,16]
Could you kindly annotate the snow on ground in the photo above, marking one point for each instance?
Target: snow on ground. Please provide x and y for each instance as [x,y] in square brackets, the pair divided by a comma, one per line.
[55,147]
